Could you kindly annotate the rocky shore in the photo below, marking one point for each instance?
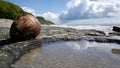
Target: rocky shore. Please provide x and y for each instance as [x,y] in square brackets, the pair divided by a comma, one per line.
[10,51]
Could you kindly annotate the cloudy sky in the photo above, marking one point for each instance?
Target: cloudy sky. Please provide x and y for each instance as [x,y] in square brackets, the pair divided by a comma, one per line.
[74,11]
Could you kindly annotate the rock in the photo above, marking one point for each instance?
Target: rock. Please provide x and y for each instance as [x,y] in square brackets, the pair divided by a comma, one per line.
[4,32]
[116,51]
[114,33]
[93,32]
[25,27]
[116,28]
[5,23]
[10,53]
[51,30]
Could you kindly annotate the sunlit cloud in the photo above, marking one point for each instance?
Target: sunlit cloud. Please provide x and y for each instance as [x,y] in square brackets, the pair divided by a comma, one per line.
[51,16]
[82,9]
[85,9]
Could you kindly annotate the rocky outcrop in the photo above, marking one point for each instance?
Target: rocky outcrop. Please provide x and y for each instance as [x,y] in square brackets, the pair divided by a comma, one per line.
[114,33]
[116,28]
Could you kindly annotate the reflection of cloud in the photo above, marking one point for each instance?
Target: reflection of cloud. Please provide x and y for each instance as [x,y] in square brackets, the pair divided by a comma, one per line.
[82,45]
[30,10]
[84,9]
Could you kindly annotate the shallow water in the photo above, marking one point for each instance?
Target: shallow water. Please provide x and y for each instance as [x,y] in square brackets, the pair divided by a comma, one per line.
[72,54]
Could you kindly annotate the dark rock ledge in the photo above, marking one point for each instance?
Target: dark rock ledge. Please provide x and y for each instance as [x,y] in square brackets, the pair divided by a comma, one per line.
[116,28]
[10,51]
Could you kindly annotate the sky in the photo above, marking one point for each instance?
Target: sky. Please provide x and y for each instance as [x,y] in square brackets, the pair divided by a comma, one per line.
[74,11]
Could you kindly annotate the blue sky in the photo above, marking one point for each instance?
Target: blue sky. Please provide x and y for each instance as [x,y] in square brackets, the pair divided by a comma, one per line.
[42,6]
[74,11]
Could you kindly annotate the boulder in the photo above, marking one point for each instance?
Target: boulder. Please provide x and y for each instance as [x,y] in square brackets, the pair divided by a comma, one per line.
[25,27]
[116,28]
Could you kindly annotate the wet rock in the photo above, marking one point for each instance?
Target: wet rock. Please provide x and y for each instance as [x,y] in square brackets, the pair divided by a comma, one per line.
[25,27]
[115,51]
[114,33]
[116,28]
[4,32]
[94,33]
[10,53]
[69,31]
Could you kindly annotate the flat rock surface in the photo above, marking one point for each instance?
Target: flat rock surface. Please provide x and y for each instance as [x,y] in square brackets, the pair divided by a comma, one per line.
[5,22]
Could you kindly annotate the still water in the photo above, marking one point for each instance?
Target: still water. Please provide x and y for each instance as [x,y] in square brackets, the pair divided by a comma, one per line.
[72,54]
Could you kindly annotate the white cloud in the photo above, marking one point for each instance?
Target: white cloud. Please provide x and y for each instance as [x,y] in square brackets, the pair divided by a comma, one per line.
[51,16]
[30,10]
[73,3]
[48,16]
[84,9]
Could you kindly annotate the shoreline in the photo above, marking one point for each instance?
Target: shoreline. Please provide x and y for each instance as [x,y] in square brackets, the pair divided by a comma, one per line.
[10,52]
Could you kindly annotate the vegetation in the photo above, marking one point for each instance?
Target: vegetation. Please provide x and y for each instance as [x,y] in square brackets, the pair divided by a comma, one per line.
[43,21]
[11,11]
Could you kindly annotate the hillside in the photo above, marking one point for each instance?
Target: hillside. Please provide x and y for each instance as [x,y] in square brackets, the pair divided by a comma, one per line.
[43,21]
[11,11]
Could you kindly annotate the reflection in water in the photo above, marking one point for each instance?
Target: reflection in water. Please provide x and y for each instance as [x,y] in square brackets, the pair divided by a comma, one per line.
[73,54]
[80,45]
[84,45]
[116,51]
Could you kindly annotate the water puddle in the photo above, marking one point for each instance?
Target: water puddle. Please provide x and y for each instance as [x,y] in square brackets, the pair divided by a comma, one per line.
[72,54]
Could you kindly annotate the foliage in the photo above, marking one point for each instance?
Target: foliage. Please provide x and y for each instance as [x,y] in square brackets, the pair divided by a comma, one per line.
[43,21]
[9,10]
